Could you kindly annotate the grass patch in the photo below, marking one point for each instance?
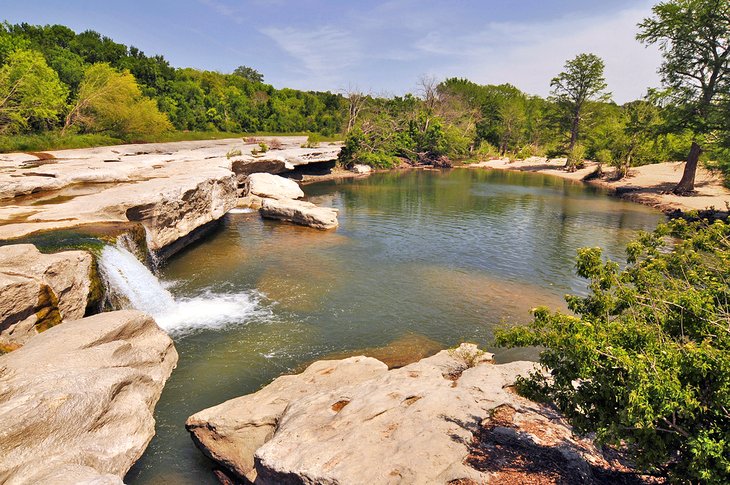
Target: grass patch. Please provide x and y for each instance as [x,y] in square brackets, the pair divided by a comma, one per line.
[54,141]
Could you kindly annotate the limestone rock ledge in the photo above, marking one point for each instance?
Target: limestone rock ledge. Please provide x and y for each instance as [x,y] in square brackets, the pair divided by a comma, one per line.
[40,291]
[299,212]
[77,401]
[353,421]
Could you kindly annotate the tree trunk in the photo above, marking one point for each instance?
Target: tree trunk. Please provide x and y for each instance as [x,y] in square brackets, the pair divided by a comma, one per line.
[570,163]
[687,184]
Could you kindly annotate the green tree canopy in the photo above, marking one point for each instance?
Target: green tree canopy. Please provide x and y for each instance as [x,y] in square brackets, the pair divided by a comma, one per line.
[31,95]
[111,101]
[249,73]
[582,81]
[694,37]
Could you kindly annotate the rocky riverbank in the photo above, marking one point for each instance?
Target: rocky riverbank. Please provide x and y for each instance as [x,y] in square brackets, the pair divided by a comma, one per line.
[172,189]
[451,418]
[77,400]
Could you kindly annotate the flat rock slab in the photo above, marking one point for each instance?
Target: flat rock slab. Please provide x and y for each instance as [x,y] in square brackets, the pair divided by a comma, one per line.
[38,291]
[353,421]
[299,212]
[77,401]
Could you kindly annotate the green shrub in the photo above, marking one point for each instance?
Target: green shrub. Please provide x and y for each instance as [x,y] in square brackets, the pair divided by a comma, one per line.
[576,157]
[234,152]
[604,157]
[528,151]
[313,141]
[644,362]
[263,148]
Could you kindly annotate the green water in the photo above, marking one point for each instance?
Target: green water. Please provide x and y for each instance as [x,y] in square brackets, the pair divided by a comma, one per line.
[422,260]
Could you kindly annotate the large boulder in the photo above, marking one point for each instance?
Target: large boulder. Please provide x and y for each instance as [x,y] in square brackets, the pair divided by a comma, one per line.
[450,418]
[230,433]
[299,212]
[271,186]
[178,212]
[38,291]
[77,401]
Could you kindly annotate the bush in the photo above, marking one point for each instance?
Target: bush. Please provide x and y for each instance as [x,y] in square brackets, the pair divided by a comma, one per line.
[234,152]
[528,151]
[263,148]
[604,157]
[313,141]
[645,361]
[575,157]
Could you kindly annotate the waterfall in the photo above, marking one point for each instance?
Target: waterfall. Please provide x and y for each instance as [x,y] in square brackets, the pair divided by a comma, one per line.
[132,285]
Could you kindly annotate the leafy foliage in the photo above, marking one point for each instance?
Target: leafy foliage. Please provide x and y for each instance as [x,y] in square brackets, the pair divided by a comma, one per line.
[581,82]
[191,99]
[31,95]
[694,37]
[645,360]
[111,101]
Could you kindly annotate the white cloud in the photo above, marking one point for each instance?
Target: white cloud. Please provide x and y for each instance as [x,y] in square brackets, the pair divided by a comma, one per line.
[319,54]
[530,54]
[234,13]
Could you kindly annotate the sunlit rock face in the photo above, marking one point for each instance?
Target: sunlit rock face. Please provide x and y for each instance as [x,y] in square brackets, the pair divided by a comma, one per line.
[77,401]
[450,418]
[39,291]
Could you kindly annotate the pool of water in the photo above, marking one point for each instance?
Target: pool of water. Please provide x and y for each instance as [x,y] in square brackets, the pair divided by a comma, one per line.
[422,260]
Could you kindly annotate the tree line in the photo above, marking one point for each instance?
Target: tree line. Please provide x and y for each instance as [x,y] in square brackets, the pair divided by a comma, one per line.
[52,78]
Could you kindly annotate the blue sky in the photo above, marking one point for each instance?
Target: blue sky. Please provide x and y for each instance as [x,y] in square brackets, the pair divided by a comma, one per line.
[382,46]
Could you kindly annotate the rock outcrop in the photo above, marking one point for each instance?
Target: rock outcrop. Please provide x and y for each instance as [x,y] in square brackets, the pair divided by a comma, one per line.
[77,401]
[268,186]
[353,421]
[299,212]
[39,291]
[279,161]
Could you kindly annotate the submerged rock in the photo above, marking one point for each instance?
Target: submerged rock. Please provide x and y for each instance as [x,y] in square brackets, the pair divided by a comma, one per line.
[38,291]
[353,421]
[271,186]
[299,212]
[76,402]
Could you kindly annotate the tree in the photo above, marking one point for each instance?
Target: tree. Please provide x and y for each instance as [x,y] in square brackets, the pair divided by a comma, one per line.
[581,81]
[30,92]
[645,360]
[512,120]
[111,101]
[355,102]
[249,73]
[694,37]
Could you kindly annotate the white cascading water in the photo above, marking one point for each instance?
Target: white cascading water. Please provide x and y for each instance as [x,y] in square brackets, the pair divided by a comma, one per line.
[134,282]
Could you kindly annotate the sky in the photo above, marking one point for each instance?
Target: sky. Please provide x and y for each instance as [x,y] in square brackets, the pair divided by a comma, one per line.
[381,47]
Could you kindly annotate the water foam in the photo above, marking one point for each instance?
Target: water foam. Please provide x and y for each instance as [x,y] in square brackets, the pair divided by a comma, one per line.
[134,286]
[239,210]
